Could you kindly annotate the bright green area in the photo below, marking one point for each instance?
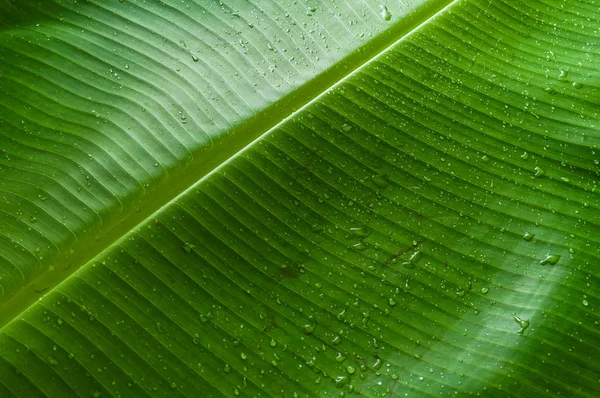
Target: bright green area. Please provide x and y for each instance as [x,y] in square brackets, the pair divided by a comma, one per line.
[429,226]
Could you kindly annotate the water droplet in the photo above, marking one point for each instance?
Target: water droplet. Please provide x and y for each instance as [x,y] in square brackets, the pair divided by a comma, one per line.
[341,381]
[485,158]
[525,156]
[385,13]
[523,323]
[203,319]
[336,340]
[585,303]
[562,74]
[188,247]
[360,232]
[273,343]
[551,259]
[392,302]
[346,127]
[415,257]
[528,236]
[577,85]
[360,246]
[194,58]
[539,171]
[340,358]
[308,328]
[243,356]
[380,181]
[317,228]
[227,368]
[350,370]
[484,290]
[377,364]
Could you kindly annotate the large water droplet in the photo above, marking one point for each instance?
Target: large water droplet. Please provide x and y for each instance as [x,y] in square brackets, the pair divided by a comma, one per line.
[361,232]
[341,381]
[385,13]
[550,259]
[523,323]
[528,236]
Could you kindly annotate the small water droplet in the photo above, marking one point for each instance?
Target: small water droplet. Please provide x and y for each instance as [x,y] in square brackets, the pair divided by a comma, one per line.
[551,259]
[346,127]
[227,368]
[380,181]
[385,13]
[525,156]
[350,370]
[308,328]
[188,247]
[523,323]
[195,58]
[539,171]
[341,381]
[360,246]
[361,232]
[528,236]
[562,74]
[377,364]
[484,290]
[585,303]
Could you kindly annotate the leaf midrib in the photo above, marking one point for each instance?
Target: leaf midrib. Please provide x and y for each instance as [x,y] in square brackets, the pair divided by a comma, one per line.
[228,146]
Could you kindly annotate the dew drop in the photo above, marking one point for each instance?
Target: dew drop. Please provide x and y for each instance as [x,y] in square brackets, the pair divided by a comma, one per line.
[539,171]
[528,236]
[359,231]
[551,259]
[385,13]
[188,247]
[562,74]
[523,323]
[341,381]
[308,328]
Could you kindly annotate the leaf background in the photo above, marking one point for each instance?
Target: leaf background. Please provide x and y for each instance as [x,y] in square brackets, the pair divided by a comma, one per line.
[370,244]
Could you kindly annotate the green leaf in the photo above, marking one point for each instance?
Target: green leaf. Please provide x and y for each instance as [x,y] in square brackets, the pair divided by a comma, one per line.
[299,198]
